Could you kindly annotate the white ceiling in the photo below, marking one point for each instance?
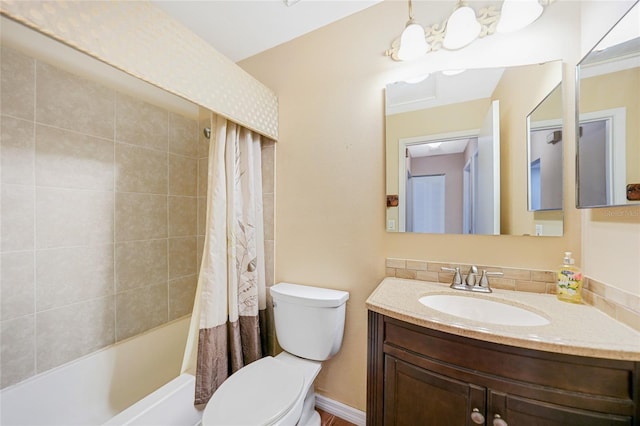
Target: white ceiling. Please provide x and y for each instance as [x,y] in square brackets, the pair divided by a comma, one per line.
[242,28]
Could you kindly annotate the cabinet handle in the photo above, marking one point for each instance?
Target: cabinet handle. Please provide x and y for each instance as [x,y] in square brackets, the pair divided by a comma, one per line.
[477,417]
[497,421]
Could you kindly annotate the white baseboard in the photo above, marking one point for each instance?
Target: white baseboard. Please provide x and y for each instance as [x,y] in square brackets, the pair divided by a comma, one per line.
[341,410]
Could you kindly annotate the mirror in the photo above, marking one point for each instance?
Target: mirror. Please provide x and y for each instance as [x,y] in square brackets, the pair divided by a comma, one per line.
[608,128]
[544,153]
[456,151]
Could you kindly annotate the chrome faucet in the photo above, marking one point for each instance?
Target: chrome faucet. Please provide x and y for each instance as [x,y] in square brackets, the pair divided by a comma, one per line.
[471,282]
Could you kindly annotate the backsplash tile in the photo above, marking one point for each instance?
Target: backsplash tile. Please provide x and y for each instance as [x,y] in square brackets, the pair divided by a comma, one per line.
[622,306]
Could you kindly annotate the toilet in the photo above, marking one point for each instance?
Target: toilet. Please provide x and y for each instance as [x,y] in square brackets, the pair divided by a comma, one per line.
[309,323]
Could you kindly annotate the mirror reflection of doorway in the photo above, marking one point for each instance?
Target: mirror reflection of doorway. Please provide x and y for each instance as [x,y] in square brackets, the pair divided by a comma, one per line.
[426,210]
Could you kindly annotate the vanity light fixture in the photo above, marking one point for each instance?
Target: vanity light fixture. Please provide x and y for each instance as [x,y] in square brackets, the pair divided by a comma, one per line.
[413,43]
[517,14]
[463,26]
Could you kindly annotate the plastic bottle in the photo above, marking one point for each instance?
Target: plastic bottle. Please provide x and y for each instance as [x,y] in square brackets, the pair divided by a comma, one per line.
[569,285]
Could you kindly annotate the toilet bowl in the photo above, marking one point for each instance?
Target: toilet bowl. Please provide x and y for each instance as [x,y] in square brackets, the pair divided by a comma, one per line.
[270,391]
[309,324]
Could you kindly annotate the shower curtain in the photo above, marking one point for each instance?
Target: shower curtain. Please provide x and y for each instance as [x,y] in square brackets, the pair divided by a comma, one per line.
[228,325]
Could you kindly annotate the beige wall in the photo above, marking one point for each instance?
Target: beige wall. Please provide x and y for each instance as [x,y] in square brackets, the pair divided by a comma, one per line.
[330,191]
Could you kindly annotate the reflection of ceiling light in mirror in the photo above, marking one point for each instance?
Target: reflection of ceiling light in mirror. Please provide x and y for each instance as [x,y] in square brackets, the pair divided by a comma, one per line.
[417,79]
[462,28]
[517,14]
[453,72]
[627,29]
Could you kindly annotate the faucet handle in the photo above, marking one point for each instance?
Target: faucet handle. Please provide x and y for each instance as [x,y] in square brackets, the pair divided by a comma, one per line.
[457,278]
[484,280]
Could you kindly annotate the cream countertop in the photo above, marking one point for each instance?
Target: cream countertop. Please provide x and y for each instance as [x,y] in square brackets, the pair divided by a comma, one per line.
[574,329]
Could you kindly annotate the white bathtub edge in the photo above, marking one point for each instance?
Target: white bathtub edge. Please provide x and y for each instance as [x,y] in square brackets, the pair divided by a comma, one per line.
[172,404]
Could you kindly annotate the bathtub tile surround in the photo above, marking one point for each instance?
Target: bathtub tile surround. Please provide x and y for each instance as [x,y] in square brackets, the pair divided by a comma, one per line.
[99,216]
[624,307]
[102,215]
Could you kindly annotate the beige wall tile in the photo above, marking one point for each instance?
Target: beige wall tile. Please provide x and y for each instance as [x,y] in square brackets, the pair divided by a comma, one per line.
[17,84]
[140,216]
[183,176]
[529,286]
[183,219]
[268,205]
[203,167]
[199,250]
[141,123]
[74,103]
[17,284]
[17,356]
[269,262]
[182,292]
[406,273]
[71,275]
[396,263]
[69,218]
[141,263]
[141,309]
[183,135]
[268,167]
[17,151]
[182,257]
[17,217]
[66,333]
[544,276]
[427,276]
[141,169]
[202,215]
[416,265]
[516,274]
[629,317]
[72,160]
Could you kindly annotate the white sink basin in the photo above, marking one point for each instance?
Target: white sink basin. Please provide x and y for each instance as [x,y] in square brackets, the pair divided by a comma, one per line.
[483,310]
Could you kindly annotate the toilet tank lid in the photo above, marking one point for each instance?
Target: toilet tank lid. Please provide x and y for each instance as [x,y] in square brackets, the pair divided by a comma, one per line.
[308,295]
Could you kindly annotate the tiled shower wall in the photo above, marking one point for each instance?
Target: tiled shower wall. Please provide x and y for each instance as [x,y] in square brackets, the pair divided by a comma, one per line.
[99,215]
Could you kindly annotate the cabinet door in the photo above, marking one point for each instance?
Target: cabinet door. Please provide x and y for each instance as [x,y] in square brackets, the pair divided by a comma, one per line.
[518,411]
[415,396]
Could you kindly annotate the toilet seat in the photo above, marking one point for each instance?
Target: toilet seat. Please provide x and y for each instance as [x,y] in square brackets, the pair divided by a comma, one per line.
[259,394]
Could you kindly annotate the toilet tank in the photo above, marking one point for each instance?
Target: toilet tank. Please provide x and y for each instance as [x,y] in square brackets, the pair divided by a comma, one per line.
[309,320]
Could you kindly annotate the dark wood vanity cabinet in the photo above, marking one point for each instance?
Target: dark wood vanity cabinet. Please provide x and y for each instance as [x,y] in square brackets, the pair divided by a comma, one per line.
[418,376]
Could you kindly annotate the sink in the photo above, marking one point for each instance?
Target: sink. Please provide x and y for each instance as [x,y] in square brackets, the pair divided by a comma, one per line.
[483,310]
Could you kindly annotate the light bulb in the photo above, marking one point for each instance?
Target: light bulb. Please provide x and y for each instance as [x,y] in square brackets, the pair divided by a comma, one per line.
[517,14]
[412,42]
[462,28]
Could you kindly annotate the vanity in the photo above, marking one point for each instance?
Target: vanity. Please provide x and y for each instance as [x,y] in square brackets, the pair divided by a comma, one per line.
[429,367]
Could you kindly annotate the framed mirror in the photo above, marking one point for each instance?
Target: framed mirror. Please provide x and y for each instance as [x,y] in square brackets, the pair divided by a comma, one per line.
[456,150]
[608,124]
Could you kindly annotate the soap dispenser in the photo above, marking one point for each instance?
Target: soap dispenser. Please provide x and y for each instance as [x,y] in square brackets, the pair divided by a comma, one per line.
[569,285]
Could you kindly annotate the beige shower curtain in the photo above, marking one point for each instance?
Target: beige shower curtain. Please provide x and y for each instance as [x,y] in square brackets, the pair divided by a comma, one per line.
[228,327]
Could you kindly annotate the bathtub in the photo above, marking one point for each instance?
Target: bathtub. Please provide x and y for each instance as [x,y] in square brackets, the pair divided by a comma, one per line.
[134,382]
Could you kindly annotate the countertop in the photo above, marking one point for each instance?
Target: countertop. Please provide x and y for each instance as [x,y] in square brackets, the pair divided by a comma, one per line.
[575,329]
